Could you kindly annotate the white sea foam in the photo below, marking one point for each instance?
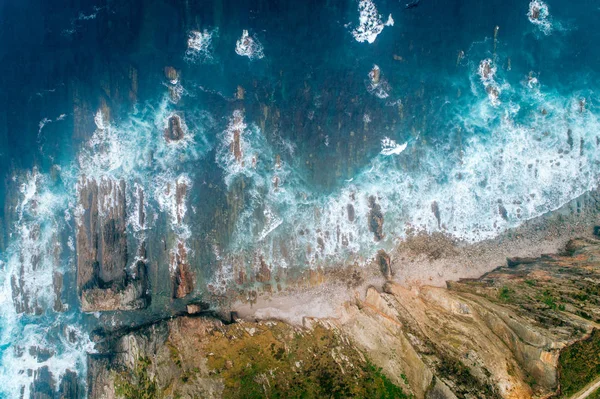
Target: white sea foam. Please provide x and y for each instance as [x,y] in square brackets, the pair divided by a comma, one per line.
[516,170]
[26,281]
[539,15]
[390,147]
[370,23]
[249,46]
[487,72]
[200,45]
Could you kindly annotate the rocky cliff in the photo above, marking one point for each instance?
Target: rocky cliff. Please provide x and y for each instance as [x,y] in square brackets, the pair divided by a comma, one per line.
[524,330]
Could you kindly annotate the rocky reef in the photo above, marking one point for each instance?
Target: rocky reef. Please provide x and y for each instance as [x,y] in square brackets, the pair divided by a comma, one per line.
[524,330]
[102,278]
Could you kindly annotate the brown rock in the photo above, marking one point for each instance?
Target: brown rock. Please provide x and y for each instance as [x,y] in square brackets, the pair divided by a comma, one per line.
[240,93]
[184,278]
[174,132]
[264,273]
[102,250]
[171,73]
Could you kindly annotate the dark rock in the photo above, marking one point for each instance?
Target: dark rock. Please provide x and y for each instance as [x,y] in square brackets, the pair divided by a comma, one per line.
[102,251]
[57,283]
[436,212]
[43,384]
[597,231]
[514,262]
[174,132]
[41,354]
[502,211]
[70,387]
[375,219]
[351,212]
[385,264]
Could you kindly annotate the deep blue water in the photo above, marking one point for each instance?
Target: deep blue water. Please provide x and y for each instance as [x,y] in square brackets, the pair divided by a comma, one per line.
[490,147]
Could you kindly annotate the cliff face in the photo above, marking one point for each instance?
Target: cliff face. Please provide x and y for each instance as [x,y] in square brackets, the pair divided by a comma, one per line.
[504,335]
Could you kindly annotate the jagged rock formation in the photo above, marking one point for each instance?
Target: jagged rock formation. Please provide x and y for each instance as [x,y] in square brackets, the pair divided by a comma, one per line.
[504,335]
[102,278]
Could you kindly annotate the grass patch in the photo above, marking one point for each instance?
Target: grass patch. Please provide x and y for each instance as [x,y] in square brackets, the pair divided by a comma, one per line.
[505,294]
[579,364]
[136,384]
[277,363]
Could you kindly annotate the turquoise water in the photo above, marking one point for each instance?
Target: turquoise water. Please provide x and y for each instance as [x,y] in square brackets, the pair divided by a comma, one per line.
[467,118]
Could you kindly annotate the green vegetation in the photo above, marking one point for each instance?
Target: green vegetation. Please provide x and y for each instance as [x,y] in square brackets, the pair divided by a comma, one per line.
[466,383]
[136,384]
[505,294]
[281,363]
[595,395]
[579,364]
[548,299]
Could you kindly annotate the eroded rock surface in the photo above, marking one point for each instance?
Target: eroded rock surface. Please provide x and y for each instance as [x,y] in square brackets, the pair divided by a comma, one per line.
[499,336]
[102,253]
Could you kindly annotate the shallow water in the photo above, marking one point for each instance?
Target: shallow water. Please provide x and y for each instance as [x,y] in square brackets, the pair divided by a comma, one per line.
[477,117]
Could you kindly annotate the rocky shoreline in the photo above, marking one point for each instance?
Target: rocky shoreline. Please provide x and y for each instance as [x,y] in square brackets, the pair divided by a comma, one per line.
[501,335]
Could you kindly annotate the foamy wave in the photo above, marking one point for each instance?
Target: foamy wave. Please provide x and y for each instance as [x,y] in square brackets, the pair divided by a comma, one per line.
[390,147]
[34,335]
[249,46]
[513,167]
[487,72]
[539,15]
[199,45]
[370,22]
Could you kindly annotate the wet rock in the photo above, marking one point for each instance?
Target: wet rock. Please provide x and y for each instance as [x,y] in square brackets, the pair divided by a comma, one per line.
[375,219]
[43,384]
[351,212]
[174,132]
[436,212]
[184,278]
[264,273]
[375,74]
[171,73]
[57,283]
[102,251]
[196,308]
[570,138]
[40,354]
[70,387]
[236,145]
[240,93]
[385,264]
[502,212]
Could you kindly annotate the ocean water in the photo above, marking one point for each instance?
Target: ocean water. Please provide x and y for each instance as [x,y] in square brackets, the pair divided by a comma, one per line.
[299,120]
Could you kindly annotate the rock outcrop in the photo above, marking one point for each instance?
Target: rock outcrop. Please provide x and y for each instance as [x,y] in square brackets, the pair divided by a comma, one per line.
[102,254]
[504,335]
